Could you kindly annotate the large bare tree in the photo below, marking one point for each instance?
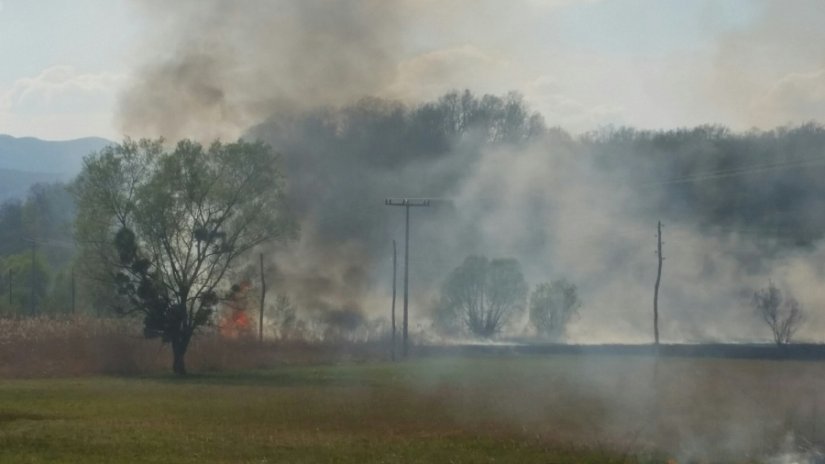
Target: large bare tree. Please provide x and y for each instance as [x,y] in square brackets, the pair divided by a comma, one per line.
[162,228]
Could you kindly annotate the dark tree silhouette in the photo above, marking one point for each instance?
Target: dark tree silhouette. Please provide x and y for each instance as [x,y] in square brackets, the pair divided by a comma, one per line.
[482,295]
[552,305]
[783,315]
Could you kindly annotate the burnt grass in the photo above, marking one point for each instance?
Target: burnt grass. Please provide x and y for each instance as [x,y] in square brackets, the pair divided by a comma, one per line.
[794,351]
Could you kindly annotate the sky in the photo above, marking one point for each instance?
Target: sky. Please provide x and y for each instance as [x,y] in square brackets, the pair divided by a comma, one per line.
[583,64]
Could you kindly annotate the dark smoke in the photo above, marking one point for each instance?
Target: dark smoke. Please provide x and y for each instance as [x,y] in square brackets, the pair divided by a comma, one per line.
[580,207]
[217,67]
[308,77]
[315,79]
[343,162]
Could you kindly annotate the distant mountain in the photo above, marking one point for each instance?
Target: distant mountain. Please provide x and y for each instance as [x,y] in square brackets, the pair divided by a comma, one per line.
[63,158]
[25,161]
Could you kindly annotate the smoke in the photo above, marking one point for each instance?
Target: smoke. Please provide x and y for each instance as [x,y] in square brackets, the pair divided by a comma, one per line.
[219,67]
[770,72]
[318,80]
[215,68]
[583,209]
[311,78]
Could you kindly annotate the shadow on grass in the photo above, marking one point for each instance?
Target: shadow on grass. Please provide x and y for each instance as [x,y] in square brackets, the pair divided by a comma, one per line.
[346,375]
[13,416]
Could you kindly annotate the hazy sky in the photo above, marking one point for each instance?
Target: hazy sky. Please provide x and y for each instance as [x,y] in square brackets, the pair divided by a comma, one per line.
[582,63]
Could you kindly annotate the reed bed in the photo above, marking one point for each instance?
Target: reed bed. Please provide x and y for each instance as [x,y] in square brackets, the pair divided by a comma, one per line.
[71,346]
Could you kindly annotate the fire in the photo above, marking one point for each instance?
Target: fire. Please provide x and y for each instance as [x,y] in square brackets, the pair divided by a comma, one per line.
[235,321]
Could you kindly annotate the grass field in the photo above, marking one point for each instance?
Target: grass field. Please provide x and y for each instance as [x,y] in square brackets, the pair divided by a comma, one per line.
[484,409]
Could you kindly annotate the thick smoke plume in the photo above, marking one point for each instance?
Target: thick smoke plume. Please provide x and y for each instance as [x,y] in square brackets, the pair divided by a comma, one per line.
[218,67]
[315,79]
[311,79]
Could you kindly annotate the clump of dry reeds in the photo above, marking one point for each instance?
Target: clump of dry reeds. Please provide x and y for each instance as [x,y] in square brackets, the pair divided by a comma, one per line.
[84,345]
[67,346]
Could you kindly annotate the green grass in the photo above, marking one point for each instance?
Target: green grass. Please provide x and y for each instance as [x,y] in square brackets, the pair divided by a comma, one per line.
[561,409]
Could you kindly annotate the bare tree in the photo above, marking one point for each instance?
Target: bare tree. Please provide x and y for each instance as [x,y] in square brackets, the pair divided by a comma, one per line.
[782,315]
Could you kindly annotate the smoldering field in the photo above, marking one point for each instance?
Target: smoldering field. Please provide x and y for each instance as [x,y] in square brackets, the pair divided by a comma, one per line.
[469,409]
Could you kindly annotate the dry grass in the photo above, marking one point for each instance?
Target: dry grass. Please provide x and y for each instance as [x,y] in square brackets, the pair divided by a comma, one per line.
[48,347]
[81,346]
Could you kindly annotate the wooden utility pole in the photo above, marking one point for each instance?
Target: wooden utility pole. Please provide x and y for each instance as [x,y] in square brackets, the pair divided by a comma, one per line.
[73,292]
[407,203]
[263,297]
[32,305]
[11,288]
[658,281]
[33,274]
[394,269]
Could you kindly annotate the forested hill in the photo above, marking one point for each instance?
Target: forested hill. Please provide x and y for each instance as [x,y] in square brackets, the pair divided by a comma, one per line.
[27,161]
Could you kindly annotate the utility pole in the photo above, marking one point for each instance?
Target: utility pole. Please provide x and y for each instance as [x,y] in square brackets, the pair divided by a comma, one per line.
[658,281]
[263,297]
[11,275]
[394,269]
[33,274]
[407,203]
[73,292]
[32,305]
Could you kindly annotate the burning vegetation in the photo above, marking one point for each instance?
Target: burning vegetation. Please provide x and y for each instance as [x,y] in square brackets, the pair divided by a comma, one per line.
[234,319]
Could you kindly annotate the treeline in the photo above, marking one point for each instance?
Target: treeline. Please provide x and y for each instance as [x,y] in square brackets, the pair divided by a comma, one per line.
[340,163]
[761,181]
[765,183]
[37,250]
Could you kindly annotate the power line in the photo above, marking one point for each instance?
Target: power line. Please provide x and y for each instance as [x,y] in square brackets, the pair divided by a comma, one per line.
[734,172]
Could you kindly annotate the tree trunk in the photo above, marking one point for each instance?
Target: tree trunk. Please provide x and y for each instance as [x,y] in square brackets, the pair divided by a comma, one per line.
[179,346]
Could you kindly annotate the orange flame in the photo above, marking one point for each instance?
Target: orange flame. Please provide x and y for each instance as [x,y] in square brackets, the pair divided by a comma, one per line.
[235,322]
